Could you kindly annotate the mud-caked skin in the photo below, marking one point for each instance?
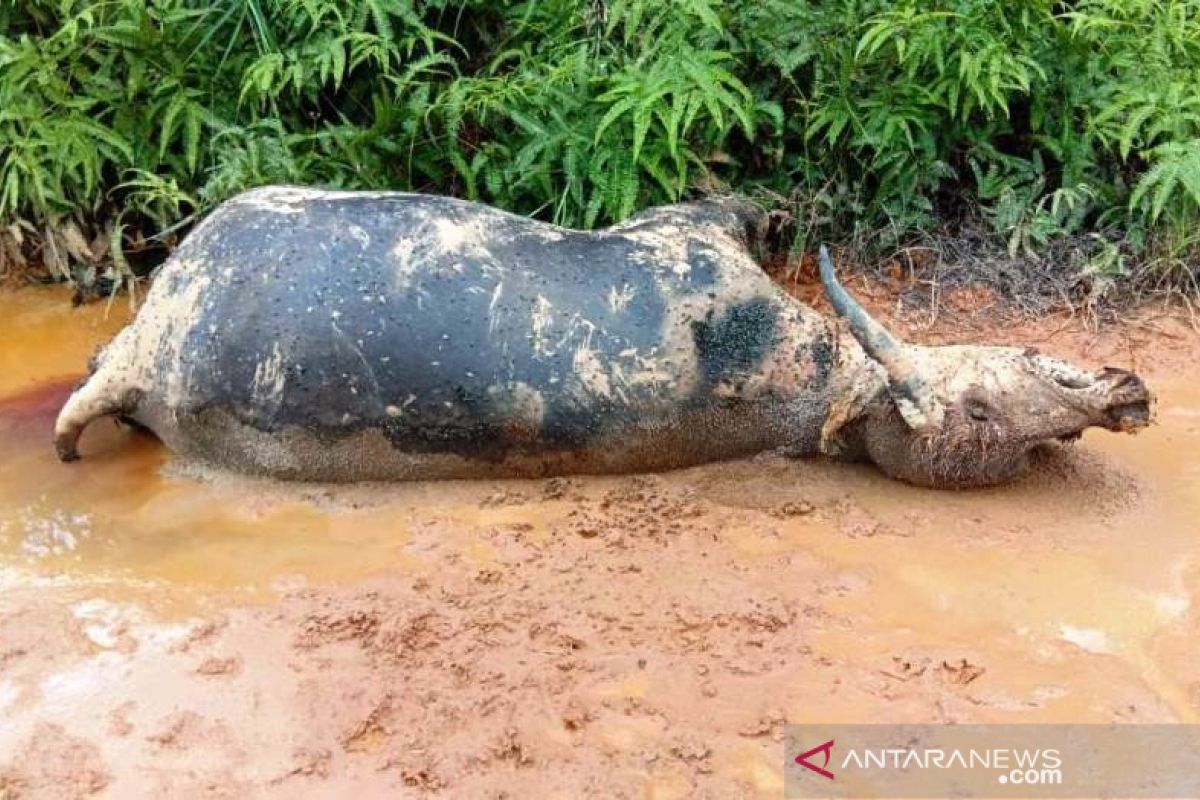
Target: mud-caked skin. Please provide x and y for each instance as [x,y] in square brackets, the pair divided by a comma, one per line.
[351,336]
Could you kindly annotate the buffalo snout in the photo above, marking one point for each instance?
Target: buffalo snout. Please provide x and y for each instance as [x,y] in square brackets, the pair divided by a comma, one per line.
[1127,402]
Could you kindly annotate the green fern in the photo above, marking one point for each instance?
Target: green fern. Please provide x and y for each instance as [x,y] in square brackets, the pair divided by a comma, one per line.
[875,115]
[1174,179]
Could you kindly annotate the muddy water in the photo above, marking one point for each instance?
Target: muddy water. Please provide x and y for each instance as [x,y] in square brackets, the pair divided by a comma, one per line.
[802,591]
[123,520]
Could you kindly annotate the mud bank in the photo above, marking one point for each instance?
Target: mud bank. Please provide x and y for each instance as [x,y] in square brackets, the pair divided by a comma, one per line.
[171,632]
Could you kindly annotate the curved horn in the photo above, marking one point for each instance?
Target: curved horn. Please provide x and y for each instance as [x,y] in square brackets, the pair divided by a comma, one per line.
[873,337]
[891,353]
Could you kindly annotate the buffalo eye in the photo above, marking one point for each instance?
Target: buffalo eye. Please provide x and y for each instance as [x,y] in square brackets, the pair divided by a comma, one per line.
[977,409]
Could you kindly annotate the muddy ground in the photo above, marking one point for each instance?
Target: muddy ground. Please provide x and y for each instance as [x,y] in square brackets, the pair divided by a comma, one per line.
[166,631]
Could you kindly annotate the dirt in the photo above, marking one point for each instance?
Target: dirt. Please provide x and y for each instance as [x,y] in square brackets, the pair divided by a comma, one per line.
[167,631]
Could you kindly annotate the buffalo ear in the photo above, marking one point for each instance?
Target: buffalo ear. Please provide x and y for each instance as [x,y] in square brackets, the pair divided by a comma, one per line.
[850,401]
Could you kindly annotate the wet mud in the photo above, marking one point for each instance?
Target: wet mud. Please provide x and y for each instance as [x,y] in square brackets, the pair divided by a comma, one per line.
[170,631]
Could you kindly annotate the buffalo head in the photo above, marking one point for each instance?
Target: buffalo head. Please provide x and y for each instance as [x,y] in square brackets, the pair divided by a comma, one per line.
[960,416]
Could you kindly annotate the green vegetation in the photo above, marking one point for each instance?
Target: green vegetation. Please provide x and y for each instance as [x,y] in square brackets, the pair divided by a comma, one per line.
[873,120]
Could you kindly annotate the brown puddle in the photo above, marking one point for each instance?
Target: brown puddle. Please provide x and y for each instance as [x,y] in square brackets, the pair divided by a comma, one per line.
[650,632]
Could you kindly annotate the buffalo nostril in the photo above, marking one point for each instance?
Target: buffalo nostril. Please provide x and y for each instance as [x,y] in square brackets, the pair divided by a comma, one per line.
[1121,379]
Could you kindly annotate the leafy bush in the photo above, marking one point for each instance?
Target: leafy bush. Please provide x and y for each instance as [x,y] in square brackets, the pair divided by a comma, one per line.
[120,121]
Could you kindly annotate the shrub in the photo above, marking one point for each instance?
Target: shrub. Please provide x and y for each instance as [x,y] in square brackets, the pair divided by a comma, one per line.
[121,121]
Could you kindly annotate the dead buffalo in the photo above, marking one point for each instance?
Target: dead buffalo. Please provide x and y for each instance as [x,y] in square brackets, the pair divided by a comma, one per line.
[352,336]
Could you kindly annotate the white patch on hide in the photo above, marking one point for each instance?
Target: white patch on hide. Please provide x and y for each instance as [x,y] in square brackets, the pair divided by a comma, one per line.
[588,368]
[176,315]
[452,235]
[541,319]
[618,299]
[269,378]
[493,317]
[360,235]
[278,199]
[406,262]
